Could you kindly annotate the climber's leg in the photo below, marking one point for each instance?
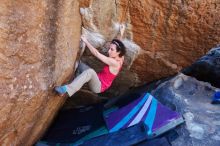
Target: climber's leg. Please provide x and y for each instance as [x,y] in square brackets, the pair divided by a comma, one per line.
[88,75]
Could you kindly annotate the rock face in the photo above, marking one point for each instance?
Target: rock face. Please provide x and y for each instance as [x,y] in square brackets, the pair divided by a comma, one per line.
[192,98]
[171,34]
[38,45]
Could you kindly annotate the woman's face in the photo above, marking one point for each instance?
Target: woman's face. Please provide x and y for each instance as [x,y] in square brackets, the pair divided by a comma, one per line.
[112,52]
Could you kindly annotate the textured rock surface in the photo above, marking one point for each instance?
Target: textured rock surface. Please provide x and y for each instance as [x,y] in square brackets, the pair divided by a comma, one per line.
[38,45]
[171,34]
[192,98]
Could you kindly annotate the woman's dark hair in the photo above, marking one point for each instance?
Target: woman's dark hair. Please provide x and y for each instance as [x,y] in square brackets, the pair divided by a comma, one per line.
[120,47]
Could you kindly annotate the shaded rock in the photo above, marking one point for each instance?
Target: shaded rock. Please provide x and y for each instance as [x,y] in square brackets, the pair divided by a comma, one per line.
[207,68]
[192,99]
[39,41]
[83,98]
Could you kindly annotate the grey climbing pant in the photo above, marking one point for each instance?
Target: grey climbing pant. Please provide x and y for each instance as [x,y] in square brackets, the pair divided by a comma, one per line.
[87,74]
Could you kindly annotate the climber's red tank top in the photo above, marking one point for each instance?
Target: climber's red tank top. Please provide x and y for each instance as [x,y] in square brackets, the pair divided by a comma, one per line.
[106,78]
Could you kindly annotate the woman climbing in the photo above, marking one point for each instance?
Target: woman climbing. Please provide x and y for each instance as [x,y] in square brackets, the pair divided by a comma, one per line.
[98,82]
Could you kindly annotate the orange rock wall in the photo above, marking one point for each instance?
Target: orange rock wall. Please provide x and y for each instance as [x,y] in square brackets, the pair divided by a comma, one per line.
[171,34]
[38,45]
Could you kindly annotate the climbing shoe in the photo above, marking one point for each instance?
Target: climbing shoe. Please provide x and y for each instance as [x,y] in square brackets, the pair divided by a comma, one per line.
[216,98]
[61,89]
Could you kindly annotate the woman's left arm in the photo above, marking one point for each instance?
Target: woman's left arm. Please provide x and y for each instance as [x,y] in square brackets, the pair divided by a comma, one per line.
[96,53]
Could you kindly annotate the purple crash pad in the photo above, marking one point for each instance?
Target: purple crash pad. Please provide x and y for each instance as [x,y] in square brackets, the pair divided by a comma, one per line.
[147,109]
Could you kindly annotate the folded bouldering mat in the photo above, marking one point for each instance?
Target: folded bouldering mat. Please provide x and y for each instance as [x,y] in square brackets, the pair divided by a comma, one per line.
[147,109]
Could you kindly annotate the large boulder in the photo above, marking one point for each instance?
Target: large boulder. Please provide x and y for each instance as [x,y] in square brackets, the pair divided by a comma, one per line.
[192,98]
[39,41]
[171,34]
